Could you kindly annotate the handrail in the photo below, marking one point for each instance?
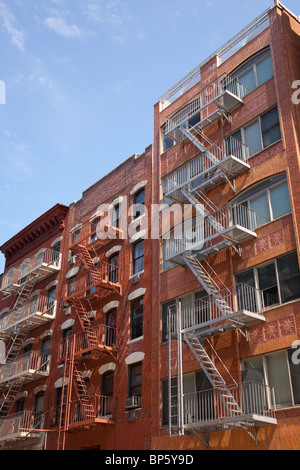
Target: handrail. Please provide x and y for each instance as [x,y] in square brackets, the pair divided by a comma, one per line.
[190,236]
[30,362]
[43,258]
[24,421]
[204,311]
[85,282]
[253,398]
[41,306]
[200,165]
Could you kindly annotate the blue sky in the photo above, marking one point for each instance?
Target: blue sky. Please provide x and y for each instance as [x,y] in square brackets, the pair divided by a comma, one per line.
[81,79]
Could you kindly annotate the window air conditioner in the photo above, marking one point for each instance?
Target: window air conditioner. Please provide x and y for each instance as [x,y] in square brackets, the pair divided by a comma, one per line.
[132,402]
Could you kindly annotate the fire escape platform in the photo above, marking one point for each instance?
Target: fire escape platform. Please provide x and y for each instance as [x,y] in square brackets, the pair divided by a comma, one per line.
[12,441]
[90,423]
[225,323]
[231,422]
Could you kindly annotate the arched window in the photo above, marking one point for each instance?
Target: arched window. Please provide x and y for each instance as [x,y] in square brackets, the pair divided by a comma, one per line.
[255,71]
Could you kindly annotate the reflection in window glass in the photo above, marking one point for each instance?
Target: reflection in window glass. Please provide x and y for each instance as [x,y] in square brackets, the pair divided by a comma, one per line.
[253,138]
[280,200]
[264,70]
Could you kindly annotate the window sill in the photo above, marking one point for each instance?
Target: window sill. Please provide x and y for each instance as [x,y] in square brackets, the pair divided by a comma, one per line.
[265,148]
[275,306]
[136,277]
[270,221]
[134,340]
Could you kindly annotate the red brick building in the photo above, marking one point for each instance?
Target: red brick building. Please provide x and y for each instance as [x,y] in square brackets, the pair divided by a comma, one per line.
[185,340]
[226,142]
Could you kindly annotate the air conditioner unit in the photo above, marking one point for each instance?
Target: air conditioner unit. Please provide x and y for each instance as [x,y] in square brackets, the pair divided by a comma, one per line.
[132,402]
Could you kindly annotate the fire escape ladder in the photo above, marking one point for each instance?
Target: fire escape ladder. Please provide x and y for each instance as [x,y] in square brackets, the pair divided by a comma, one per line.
[25,290]
[85,322]
[193,135]
[87,409]
[175,386]
[88,263]
[213,374]
[8,398]
[208,283]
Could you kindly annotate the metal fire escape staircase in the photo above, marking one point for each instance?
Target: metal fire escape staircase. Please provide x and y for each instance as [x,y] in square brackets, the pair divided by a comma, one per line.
[15,345]
[195,335]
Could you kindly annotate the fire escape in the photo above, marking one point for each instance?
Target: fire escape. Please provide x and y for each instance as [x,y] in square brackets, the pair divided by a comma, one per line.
[227,405]
[24,315]
[80,407]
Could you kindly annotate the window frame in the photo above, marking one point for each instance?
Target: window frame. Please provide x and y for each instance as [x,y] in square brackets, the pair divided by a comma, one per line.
[250,123]
[265,189]
[135,258]
[251,63]
[131,386]
[139,320]
[266,375]
[255,269]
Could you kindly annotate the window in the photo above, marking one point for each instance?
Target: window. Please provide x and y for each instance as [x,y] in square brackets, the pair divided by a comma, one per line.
[107,387]
[55,254]
[138,257]
[276,370]
[71,286]
[38,411]
[45,354]
[94,224]
[75,236]
[260,133]
[136,318]
[268,199]
[110,328]
[255,71]
[135,380]
[116,215]
[24,271]
[195,403]
[278,279]
[51,300]
[139,201]
[167,142]
[194,311]
[113,269]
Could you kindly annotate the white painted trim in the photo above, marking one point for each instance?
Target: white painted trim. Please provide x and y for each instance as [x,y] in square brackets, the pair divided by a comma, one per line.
[137,293]
[110,366]
[134,357]
[56,241]
[114,249]
[111,305]
[137,187]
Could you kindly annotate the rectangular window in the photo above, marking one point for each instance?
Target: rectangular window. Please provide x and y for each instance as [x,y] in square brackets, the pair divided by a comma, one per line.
[136,318]
[260,133]
[138,257]
[279,280]
[277,370]
[268,199]
[135,380]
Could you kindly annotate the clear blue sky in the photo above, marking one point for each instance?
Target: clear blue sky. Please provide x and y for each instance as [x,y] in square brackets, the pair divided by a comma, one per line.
[82,77]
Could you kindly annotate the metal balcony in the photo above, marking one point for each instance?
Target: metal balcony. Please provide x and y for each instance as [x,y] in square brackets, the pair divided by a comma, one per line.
[102,407]
[209,235]
[92,235]
[45,263]
[23,427]
[242,306]
[35,312]
[208,411]
[105,276]
[225,159]
[26,368]
[105,336]
[217,99]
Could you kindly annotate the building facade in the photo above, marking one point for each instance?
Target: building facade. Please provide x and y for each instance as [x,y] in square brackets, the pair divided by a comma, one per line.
[161,310]
[226,144]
